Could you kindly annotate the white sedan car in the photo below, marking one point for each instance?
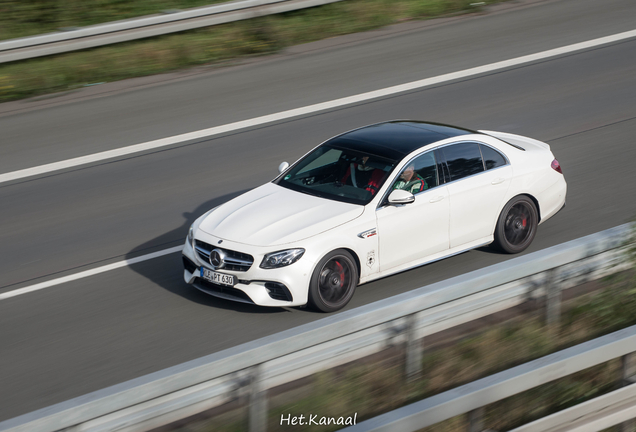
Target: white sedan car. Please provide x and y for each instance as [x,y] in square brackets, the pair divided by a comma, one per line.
[369,203]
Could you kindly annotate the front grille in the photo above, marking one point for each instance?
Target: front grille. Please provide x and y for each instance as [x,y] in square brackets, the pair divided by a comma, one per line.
[222,291]
[278,291]
[235,261]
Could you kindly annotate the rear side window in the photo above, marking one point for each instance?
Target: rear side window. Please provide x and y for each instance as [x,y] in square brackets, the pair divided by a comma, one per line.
[463,160]
[492,158]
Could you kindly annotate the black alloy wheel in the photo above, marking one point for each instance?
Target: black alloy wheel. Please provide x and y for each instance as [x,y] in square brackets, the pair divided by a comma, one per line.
[333,282]
[517,225]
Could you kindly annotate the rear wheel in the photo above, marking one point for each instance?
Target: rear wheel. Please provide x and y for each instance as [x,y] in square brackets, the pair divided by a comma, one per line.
[333,282]
[517,225]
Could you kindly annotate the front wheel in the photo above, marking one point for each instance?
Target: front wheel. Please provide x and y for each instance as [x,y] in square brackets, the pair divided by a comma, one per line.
[333,282]
[517,225]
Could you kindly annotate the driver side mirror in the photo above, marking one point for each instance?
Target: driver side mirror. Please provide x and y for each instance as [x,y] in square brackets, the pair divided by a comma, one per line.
[399,196]
[282,167]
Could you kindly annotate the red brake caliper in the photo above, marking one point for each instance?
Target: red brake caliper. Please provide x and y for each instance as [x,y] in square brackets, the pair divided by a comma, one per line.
[523,222]
[341,274]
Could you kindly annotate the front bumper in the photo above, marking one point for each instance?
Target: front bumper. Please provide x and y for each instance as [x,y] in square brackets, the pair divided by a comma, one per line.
[286,286]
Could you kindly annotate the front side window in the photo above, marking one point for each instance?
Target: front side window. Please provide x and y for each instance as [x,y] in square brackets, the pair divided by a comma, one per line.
[463,160]
[338,173]
[418,175]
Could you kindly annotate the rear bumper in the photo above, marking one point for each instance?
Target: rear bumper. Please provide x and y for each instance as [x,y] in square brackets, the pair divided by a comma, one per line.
[553,199]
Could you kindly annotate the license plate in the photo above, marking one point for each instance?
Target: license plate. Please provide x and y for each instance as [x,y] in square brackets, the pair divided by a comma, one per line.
[218,278]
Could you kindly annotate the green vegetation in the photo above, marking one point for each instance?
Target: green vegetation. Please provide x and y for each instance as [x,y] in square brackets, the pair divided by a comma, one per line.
[21,18]
[370,389]
[209,46]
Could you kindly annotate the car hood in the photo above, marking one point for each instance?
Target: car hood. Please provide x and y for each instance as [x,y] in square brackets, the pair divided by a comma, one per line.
[273,215]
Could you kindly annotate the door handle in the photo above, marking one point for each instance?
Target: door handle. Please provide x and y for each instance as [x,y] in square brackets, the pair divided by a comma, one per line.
[497,181]
[439,198]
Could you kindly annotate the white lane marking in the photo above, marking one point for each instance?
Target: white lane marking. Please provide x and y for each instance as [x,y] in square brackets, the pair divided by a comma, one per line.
[268,119]
[204,133]
[87,273]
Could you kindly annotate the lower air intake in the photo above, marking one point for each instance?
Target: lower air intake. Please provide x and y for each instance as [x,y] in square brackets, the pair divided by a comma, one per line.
[278,291]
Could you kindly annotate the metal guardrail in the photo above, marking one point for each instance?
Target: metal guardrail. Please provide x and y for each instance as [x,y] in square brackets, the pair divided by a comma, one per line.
[477,394]
[597,414]
[123,31]
[254,367]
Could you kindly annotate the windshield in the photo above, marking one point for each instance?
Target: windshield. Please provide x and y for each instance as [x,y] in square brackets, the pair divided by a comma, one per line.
[339,174]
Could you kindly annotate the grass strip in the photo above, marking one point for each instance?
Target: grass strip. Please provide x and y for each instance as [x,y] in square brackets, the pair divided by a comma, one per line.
[210,46]
[20,18]
[370,389]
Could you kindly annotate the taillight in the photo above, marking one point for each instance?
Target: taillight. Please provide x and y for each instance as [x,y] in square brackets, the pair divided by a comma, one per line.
[555,166]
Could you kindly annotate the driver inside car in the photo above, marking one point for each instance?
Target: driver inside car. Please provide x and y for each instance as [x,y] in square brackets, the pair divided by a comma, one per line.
[410,181]
[361,175]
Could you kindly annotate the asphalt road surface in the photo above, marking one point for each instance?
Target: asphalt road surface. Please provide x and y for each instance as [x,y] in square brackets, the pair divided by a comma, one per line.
[81,336]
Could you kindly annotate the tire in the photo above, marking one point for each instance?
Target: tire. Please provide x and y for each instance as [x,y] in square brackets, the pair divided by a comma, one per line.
[517,225]
[333,282]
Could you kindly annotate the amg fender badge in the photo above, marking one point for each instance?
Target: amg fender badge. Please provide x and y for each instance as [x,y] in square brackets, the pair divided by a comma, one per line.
[367,233]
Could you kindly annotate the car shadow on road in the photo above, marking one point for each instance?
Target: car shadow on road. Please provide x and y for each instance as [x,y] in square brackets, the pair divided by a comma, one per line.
[167,271]
[491,250]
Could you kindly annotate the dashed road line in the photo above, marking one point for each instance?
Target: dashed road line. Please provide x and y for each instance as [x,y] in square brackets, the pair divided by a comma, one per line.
[310,109]
[87,273]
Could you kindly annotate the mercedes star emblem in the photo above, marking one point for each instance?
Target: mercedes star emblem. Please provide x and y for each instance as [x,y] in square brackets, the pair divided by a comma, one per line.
[217,258]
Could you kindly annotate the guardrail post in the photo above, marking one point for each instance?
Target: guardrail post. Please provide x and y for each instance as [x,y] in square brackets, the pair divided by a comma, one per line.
[476,420]
[628,376]
[257,401]
[628,369]
[413,349]
[553,299]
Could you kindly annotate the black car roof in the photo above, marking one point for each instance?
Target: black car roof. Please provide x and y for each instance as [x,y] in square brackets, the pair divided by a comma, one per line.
[395,139]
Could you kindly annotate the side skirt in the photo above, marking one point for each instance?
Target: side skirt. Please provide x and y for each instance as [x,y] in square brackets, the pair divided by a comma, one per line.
[447,254]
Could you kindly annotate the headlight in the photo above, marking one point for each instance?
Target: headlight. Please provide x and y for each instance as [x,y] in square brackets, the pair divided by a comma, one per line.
[281,258]
[191,235]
